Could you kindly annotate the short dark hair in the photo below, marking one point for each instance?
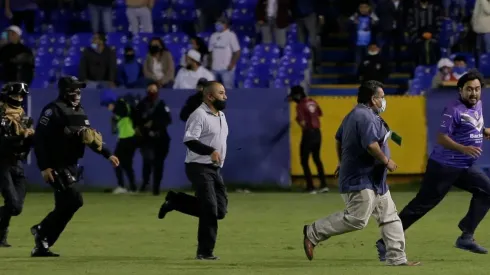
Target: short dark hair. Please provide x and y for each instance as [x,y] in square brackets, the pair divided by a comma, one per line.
[152,83]
[460,58]
[469,76]
[367,90]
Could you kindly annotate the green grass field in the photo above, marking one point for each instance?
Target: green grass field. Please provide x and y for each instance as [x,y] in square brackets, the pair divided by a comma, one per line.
[262,234]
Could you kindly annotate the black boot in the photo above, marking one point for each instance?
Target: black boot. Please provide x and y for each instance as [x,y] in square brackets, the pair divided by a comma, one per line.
[166,206]
[3,238]
[41,248]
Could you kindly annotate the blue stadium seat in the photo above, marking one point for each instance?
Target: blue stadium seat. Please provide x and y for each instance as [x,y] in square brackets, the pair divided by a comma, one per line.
[120,4]
[298,49]
[183,5]
[243,15]
[70,66]
[247,4]
[142,37]
[120,20]
[116,38]
[484,67]
[270,51]
[75,52]
[177,37]
[255,82]
[205,36]
[81,39]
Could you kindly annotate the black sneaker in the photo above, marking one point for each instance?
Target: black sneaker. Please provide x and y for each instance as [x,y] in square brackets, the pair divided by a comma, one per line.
[39,241]
[3,238]
[166,207]
[207,257]
[41,252]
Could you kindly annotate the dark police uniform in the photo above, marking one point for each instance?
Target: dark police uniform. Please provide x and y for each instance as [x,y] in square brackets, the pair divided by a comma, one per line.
[59,146]
[152,119]
[14,148]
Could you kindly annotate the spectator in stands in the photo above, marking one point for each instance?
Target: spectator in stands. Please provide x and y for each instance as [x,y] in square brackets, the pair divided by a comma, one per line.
[209,11]
[391,28]
[98,65]
[198,44]
[159,64]
[130,72]
[17,59]
[373,66]
[310,17]
[100,10]
[21,12]
[460,66]
[445,73]
[273,19]
[481,22]
[188,76]
[139,13]
[365,21]
[424,22]
[225,52]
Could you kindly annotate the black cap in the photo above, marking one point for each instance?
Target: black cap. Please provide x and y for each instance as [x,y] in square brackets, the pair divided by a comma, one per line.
[70,83]
[15,88]
[296,91]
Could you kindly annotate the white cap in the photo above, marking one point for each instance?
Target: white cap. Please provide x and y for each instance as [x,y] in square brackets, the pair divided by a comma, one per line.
[445,62]
[194,55]
[15,29]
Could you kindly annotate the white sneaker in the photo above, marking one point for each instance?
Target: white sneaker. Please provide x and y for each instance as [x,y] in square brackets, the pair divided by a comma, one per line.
[120,190]
[324,190]
[313,192]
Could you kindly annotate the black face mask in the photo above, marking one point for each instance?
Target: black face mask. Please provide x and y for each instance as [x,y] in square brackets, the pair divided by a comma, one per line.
[219,104]
[154,49]
[188,67]
[129,58]
[13,103]
[72,98]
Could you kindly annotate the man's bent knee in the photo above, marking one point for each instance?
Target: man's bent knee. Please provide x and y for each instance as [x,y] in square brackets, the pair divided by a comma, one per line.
[356,223]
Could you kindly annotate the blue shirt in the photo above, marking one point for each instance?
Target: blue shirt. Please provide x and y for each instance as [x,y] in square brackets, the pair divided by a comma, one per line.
[358,169]
[465,126]
[364,30]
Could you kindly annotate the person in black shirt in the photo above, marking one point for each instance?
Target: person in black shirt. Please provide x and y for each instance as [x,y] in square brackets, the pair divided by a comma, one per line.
[194,101]
[62,132]
[152,118]
[373,65]
[15,143]
[16,58]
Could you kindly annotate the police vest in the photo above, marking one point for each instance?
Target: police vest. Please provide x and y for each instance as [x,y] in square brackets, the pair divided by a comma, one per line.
[75,118]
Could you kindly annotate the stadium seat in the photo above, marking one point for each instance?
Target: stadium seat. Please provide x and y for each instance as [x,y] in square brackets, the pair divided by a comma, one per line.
[81,39]
[484,67]
[470,59]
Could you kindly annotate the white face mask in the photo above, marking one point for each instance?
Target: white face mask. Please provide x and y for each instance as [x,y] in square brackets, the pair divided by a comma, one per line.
[383,106]
[372,53]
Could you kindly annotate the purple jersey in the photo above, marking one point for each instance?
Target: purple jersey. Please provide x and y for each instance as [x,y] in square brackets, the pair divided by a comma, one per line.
[463,125]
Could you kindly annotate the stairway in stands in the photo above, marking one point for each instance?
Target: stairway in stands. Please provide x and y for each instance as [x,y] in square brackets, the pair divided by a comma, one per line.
[336,75]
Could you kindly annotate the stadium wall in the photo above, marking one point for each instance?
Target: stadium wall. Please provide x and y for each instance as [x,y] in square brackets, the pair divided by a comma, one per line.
[404,114]
[258,142]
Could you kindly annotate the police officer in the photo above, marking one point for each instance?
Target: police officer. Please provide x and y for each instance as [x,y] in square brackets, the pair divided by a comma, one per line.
[152,119]
[16,137]
[194,101]
[62,133]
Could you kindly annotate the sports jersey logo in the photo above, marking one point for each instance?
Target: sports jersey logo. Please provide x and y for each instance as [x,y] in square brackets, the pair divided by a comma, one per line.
[476,122]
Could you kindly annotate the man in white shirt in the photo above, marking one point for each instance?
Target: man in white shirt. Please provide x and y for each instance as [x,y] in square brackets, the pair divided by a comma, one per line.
[225,52]
[188,77]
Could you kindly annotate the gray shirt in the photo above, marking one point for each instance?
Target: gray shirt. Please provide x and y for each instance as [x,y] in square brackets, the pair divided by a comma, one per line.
[358,169]
[208,128]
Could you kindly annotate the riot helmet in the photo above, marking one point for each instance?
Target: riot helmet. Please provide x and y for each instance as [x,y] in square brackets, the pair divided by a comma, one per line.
[69,88]
[13,93]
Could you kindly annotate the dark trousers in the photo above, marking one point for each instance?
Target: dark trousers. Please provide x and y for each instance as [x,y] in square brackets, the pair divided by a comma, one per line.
[209,204]
[26,17]
[154,155]
[13,188]
[67,201]
[392,39]
[311,143]
[125,149]
[437,182]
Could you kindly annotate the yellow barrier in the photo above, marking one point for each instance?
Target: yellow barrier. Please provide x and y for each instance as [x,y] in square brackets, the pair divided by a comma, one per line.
[404,114]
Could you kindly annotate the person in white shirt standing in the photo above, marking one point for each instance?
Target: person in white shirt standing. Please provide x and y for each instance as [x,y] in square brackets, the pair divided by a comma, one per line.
[188,77]
[225,52]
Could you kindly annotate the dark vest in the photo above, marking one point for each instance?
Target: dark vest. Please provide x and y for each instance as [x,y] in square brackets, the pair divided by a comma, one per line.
[20,149]
[74,119]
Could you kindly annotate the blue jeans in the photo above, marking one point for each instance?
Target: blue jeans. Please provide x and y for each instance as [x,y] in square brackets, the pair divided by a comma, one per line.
[96,14]
[226,77]
[486,42]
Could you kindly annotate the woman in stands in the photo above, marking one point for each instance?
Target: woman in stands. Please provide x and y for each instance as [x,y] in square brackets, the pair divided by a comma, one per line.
[198,44]
[159,64]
